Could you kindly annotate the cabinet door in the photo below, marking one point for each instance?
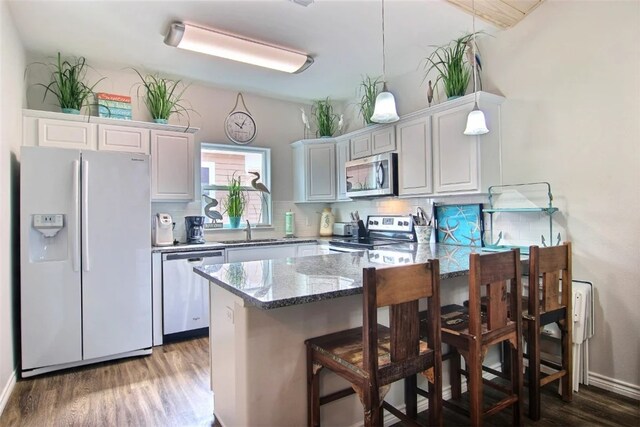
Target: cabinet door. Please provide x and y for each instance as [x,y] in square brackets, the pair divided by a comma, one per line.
[123,138]
[383,141]
[66,134]
[455,154]
[414,157]
[261,253]
[342,156]
[361,146]
[172,166]
[321,172]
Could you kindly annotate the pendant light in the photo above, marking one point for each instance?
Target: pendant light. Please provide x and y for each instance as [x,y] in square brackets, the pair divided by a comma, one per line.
[476,123]
[385,108]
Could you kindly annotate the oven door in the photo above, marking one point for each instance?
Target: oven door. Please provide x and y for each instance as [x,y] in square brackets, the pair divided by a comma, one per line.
[372,176]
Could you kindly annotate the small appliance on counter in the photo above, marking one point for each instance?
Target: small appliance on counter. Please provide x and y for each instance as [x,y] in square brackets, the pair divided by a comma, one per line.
[344,229]
[162,231]
[194,226]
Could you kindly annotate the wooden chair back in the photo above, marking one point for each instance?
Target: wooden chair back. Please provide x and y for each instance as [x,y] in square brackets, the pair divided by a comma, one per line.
[400,289]
[494,272]
[546,267]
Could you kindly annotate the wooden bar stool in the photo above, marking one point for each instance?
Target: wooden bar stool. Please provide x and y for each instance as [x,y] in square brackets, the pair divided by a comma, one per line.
[374,356]
[546,266]
[471,331]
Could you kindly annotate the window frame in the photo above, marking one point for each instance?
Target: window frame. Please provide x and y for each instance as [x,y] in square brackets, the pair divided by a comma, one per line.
[266,171]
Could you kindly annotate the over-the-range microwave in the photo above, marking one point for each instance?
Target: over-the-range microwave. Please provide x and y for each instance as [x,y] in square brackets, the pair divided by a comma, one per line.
[373,176]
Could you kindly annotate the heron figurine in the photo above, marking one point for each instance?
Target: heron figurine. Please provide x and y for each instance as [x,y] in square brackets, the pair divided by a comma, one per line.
[305,120]
[260,187]
[341,123]
[209,208]
[430,93]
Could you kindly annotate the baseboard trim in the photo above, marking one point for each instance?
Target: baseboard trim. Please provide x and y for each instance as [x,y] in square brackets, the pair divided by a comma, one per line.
[6,392]
[616,386]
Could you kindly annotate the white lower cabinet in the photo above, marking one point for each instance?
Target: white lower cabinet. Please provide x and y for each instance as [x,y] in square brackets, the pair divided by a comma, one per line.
[414,156]
[172,162]
[257,253]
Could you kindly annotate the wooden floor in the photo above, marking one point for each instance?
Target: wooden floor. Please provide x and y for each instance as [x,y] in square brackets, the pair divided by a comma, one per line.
[171,388]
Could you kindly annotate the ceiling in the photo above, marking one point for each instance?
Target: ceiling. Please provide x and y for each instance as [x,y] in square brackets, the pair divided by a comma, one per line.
[343,36]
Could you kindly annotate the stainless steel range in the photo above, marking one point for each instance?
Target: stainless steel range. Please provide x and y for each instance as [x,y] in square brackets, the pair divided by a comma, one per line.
[382,230]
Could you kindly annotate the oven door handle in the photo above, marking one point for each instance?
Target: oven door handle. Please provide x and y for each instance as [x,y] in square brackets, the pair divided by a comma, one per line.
[380,175]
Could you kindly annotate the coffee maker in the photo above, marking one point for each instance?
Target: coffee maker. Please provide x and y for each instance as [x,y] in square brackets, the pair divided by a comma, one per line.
[162,230]
[194,226]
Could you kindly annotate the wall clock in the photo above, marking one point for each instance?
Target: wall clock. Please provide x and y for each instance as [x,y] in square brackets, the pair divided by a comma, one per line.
[239,126]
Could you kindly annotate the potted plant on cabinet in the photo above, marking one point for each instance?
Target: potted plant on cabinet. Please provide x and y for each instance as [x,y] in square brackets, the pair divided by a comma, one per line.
[326,119]
[369,89]
[235,201]
[163,96]
[452,63]
[68,84]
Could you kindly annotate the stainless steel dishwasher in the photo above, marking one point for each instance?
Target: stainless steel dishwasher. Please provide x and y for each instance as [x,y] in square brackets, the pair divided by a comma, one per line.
[185,295]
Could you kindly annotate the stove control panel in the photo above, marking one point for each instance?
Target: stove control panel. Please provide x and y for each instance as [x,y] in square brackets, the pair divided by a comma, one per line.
[393,223]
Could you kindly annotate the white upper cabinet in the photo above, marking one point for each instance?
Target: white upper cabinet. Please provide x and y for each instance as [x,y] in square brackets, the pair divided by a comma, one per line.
[123,138]
[342,157]
[172,161]
[314,170]
[464,163]
[65,134]
[373,142]
[414,156]
[383,140]
[360,146]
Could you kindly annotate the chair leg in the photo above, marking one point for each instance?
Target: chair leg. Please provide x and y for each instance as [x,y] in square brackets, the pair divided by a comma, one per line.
[411,396]
[567,360]
[435,396]
[516,381]
[474,385]
[506,357]
[454,374]
[313,392]
[534,369]
[372,407]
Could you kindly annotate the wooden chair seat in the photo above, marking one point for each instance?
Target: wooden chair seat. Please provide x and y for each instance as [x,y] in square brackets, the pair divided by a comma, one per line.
[454,319]
[559,311]
[372,357]
[345,348]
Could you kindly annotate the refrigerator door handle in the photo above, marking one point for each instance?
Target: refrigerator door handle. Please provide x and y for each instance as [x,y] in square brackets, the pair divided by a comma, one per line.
[76,212]
[85,215]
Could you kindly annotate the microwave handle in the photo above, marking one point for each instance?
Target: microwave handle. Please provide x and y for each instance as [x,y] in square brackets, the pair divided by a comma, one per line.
[380,175]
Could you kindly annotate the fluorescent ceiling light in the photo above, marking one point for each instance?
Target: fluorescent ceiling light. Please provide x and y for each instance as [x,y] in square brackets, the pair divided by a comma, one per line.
[216,43]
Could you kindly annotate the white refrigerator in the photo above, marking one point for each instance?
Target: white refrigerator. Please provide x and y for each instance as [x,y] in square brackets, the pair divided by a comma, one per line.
[85,252]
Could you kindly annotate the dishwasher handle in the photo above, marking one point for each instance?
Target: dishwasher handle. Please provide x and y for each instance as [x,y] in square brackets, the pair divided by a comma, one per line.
[193,256]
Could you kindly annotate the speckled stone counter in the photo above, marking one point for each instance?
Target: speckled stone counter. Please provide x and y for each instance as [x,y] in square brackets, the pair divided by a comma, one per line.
[278,283]
[183,247]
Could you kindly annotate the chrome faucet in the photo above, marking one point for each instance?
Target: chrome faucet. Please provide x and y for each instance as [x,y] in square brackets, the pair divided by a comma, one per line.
[248,231]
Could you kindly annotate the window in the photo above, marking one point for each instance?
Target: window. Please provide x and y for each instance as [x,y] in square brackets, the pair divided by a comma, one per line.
[220,162]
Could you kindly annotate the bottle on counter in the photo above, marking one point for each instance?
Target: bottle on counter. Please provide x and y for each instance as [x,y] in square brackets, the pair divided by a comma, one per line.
[289,224]
[326,222]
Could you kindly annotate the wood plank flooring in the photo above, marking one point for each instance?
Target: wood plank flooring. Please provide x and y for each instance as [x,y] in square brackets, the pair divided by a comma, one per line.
[171,388]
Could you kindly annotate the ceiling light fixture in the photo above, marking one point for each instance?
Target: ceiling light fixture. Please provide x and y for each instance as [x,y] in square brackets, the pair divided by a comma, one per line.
[476,123]
[385,108]
[216,43]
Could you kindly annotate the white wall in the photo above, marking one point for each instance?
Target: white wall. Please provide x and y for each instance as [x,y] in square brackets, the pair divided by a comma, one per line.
[11,103]
[571,75]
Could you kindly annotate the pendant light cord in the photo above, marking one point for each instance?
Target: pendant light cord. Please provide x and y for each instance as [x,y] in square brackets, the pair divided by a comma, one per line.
[473,51]
[384,61]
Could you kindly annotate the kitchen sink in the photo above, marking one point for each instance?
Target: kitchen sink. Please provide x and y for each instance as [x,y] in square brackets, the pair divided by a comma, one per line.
[231,242]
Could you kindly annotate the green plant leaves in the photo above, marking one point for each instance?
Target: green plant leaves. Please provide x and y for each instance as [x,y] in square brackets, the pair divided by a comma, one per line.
[68,84]
[451,65]
[163,96]
[326,119]
[236,199]
[369,89]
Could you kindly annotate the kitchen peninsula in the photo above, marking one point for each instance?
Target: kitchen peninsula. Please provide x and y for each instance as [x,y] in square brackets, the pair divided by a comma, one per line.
[261,312]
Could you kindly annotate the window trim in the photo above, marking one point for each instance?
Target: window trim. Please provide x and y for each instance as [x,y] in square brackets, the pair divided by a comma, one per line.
[266,167]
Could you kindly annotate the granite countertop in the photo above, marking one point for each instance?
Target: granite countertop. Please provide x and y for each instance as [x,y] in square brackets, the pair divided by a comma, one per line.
[183,247]
[278,283]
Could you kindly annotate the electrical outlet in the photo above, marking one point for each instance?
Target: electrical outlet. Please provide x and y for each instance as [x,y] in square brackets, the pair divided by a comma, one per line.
[306,221]
[229,313]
